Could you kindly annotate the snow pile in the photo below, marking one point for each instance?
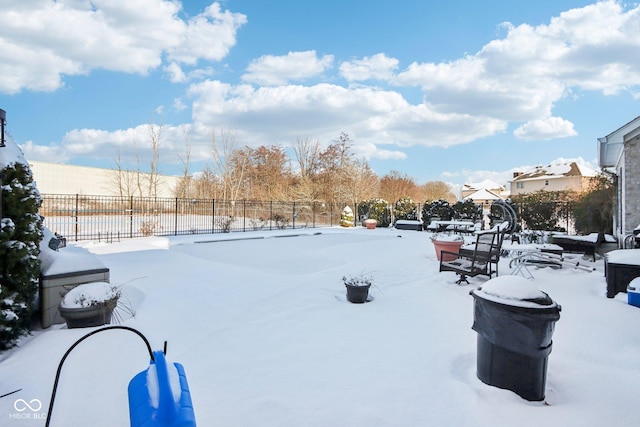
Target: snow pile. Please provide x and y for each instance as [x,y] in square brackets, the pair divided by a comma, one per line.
[513,290]
[65,260]
[153,386]
[90,294]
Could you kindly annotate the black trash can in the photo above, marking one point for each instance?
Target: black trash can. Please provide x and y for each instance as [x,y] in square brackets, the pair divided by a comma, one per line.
[515,322]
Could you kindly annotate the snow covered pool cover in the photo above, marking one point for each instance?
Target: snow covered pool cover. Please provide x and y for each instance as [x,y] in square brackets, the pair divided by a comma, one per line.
[516,291]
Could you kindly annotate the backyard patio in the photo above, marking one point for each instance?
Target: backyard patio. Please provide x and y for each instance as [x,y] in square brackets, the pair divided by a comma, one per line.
[267,338]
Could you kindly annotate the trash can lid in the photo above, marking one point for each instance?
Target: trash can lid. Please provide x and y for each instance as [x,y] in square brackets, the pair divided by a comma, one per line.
[516,291]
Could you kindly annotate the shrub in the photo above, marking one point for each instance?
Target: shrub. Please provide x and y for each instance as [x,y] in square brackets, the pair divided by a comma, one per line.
[21,231]
[281,221]
[543,210]
[225,223]
[467,210]
[147,228]
[593,212]
[377,209]
[437,209]
[406,209]
[346,218]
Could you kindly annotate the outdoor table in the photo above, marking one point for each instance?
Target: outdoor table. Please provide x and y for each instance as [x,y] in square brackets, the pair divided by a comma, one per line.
[454,226]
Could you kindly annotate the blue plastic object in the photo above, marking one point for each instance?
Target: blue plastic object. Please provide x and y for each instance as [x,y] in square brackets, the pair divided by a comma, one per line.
[169,412]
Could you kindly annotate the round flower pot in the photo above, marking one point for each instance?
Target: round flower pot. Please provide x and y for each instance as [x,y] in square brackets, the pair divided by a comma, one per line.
[449,246]
[84,317]
[371,224]
[357,294]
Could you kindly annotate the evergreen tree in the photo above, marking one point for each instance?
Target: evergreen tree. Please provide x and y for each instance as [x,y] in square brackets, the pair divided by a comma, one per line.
[406,209]
[20,234]
[346,218]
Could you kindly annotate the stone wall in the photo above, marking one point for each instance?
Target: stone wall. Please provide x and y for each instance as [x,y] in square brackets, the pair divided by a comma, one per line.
[632,184]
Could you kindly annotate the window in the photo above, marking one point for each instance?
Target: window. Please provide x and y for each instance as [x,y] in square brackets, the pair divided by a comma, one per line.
[519,184]
[546,182]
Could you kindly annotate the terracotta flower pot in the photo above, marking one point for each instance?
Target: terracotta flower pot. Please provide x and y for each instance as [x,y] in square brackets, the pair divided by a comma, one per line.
[449,246]
[371,224]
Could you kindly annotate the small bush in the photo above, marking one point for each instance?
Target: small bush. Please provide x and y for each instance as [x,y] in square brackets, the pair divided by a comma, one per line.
[224,223]
[147,228]
[377,209]
[467,210]
[406,209]
[346,218]
[437,209]
[282,221]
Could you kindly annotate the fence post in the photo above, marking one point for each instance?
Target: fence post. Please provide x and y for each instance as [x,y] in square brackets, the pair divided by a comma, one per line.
[331,214]
[294,215]
[75,214]
[130,217]
[213,216]
[244,215]
[270,214]
[175,222]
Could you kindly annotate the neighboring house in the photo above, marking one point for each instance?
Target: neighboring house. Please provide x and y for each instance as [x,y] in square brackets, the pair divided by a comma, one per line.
[496,190]
[555,177]
[483,197]
[484,193]
[620,151]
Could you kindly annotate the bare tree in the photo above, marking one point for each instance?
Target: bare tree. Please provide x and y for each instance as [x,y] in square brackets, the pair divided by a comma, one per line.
[307,152]
[268,173]
[334,167]
[395,185]
[228,165]
[361,183]
[153,177]
[436,190]
[122,181]
[183,188]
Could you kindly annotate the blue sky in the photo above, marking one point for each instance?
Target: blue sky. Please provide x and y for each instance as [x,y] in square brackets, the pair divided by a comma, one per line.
[451,91]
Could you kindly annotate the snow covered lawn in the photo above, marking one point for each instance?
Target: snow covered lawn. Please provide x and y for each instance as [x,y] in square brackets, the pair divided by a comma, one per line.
[267,338]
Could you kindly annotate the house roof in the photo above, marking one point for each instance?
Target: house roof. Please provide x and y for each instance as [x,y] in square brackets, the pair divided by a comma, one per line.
[610,147]
[557,170]
[483,194]
[486,184]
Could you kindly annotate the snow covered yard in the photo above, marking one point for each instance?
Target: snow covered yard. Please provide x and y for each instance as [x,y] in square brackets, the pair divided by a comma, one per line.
[267,338]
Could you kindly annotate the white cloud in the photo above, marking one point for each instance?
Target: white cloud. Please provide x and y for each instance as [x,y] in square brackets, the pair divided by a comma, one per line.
[379,67]
[369,151]
[549,128]
[175,73]
[209,35]
[519,77]
[178,104]
[282,113]
[278,70]
[38,48]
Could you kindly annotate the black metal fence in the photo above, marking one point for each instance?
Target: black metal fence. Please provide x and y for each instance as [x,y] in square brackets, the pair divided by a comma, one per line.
[109,218]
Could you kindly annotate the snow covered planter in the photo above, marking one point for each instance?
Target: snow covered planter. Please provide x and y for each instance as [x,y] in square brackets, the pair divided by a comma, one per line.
[357,288]
[448,243]
[90,304]
[371,224]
